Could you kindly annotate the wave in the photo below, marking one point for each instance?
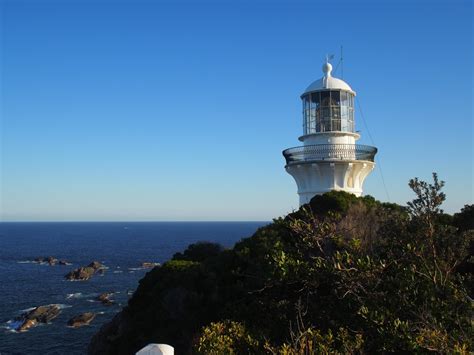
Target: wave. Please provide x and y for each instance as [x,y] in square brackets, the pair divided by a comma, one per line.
[12,325]
[41,262]
[77,295]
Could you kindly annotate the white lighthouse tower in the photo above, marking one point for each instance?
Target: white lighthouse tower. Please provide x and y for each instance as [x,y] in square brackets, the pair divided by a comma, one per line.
[329,158]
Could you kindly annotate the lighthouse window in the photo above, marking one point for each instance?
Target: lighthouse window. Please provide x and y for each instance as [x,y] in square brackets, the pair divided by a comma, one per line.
[306,102]
[315,100]
[335,98]
[329,110]
[344,101]
[325,98]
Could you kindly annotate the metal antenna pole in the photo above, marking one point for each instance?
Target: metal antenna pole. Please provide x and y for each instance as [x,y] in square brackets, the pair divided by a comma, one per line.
[342,66]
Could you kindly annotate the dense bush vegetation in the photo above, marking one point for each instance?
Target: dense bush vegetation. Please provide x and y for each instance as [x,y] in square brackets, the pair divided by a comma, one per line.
[341,275]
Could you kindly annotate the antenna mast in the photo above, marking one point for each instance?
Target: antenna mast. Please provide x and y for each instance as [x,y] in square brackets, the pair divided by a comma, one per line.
[342,66]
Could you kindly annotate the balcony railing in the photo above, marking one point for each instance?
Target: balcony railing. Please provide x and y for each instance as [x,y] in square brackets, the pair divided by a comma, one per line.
[332,152]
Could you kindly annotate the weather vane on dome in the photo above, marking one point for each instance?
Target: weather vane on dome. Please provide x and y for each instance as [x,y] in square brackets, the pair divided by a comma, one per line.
[329,57]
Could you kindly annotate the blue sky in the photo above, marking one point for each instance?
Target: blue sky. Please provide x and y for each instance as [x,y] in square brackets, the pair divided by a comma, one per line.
[179,110]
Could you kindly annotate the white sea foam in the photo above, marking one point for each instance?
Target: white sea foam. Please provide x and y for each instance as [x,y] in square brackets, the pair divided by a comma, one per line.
[26,310]
[117,271]
[12,325]
[60,305]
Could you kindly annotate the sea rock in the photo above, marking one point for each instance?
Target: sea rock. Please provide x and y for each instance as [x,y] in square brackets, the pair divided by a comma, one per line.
[85,272]
[105,298]
[41,314]
[81,320]
[46,260]
[27,324]
[81,274]
[50,260]
[149,265]
[96,265]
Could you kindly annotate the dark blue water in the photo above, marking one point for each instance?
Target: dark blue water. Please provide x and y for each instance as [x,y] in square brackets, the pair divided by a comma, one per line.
[122,247]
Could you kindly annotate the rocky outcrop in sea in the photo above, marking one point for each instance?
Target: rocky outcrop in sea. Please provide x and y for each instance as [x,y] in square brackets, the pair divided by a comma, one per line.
[41,314]
[84,273]
[81,320]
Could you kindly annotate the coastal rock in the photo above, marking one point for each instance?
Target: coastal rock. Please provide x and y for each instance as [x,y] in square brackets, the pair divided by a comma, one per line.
[96,265]
[105,298]
[103,342]
[27,324]
[149,265]
[81,320]
[50,260]
[85,272]
[41,314]
[81,274]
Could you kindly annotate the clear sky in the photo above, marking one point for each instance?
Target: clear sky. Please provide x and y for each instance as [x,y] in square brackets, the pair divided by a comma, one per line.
[179,110]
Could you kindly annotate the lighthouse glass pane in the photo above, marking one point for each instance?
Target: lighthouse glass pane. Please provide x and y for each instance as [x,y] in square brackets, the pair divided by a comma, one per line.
[324,120]
[325,97]
[344,101]
[315,100]
[315,103]
[344,119]
[335,98]
[306,114]
[347,120]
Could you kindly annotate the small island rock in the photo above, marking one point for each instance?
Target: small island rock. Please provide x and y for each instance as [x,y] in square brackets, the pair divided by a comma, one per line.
[81,320]
[105,298]
[149,265]
[41,314]
[81,274]
[96,265]
[85,272]
[50,260]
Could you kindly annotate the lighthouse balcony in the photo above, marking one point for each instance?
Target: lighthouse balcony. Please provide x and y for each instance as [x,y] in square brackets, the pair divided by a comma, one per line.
[329,152]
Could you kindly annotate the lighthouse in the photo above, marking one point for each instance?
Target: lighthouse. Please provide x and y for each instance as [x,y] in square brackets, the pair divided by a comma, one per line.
[329,158]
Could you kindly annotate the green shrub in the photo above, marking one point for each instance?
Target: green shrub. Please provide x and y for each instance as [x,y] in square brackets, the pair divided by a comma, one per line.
[226,337]
[341,275]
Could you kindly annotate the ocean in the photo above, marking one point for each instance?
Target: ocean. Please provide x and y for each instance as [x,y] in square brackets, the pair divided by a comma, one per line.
[121,246]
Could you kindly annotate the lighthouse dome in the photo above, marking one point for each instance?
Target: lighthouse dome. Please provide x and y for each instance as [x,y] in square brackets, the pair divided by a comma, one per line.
[328,82]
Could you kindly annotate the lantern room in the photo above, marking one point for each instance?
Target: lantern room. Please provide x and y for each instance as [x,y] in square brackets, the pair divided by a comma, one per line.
[328,105]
